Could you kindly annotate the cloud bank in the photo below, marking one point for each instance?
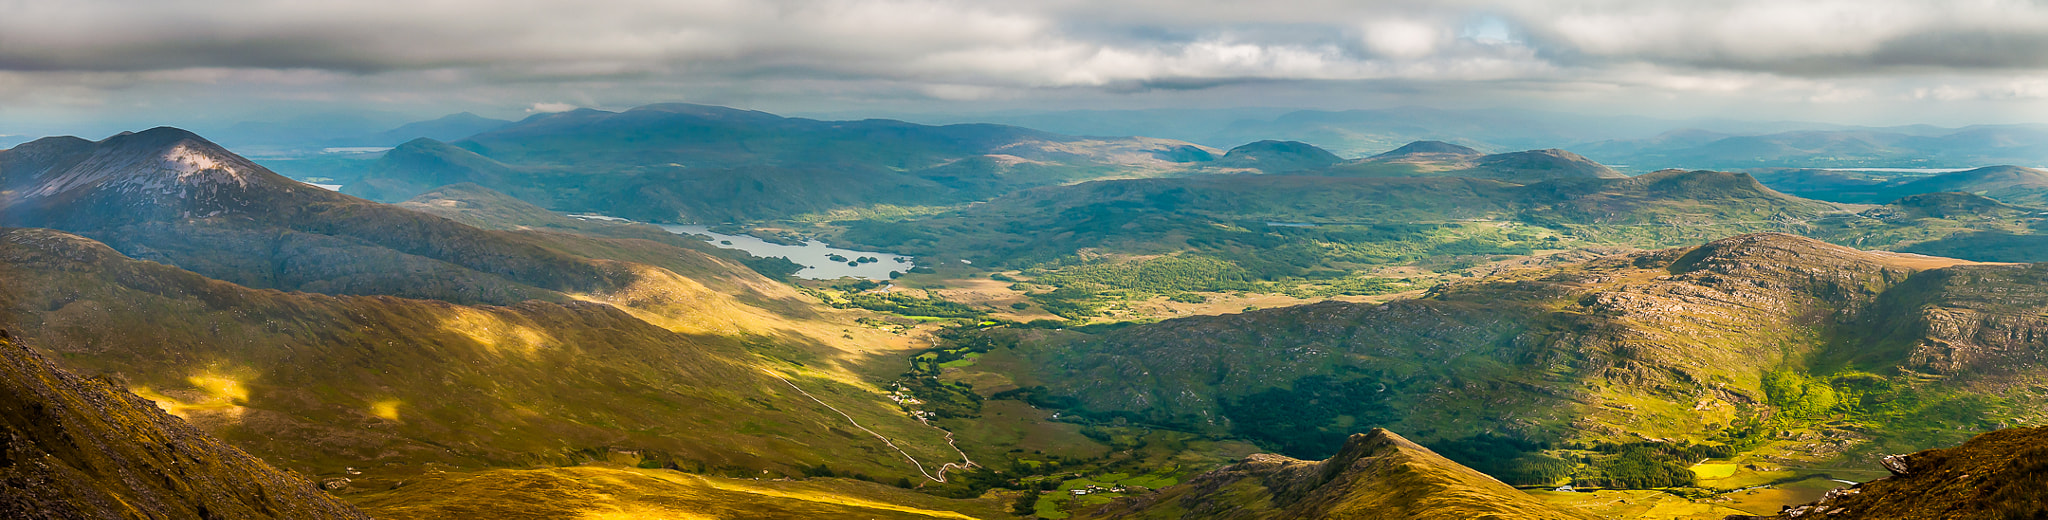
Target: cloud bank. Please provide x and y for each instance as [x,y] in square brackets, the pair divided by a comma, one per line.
[534,54]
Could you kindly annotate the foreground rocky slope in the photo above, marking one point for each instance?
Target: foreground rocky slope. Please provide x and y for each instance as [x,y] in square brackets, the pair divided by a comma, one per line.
[1377,475]
[1999,475]
[82,448]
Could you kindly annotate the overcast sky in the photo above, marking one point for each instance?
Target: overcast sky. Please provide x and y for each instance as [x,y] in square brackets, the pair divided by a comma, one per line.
[80,63]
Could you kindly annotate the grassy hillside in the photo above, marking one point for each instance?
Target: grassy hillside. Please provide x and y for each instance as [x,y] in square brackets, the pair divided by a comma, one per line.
[1778,352]
[317,383]
[85,448]
[599,491]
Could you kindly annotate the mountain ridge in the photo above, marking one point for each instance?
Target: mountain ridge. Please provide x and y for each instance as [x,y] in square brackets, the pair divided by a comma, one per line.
[1376,475]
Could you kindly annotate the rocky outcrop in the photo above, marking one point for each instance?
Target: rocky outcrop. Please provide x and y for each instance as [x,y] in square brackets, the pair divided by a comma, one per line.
[1997,475]
[81,448]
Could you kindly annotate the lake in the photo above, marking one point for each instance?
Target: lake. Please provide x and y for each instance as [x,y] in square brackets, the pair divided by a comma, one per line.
[814,256]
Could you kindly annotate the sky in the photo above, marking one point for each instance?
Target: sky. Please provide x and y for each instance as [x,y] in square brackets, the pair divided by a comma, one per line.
[85,65]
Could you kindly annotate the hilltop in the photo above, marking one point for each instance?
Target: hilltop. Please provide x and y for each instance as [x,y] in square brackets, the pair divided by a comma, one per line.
[1376,475]
[1275,157]
[85,448]
[1436,158]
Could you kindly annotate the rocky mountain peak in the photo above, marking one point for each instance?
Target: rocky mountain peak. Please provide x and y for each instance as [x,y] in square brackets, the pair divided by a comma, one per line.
[160,161]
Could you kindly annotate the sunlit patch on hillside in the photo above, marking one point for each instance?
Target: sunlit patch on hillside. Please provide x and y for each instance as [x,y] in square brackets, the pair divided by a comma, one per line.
[195,405]
[221,387]
[387,409]
[680,304]
[638,512]
[496,334]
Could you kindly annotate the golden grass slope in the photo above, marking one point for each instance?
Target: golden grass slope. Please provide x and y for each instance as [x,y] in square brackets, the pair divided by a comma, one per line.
[600,492]
[320,383]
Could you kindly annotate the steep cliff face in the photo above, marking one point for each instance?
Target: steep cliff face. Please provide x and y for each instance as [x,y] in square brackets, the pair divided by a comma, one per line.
[80,448]
[1377,475]
[2001,475]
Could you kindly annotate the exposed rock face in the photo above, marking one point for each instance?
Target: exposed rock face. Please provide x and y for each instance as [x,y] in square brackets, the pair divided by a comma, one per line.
[1997,475]
[1377,475]
[79,448]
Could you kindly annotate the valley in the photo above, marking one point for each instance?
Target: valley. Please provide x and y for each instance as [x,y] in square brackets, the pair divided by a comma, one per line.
[894,320]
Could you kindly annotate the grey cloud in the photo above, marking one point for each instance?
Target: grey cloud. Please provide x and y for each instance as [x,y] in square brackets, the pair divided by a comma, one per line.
[123,54]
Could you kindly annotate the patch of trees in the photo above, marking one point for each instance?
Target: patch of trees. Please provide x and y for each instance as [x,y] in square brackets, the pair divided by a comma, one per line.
[1645,465]
[1311,419]
[907,305]
[1514,461]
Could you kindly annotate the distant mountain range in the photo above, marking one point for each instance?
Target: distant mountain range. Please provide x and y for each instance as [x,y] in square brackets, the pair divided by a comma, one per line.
[677,162]
[1635,144]
[1911,147]
[2008,184]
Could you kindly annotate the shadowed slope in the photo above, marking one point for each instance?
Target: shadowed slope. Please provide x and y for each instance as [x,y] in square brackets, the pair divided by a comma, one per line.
[78,448]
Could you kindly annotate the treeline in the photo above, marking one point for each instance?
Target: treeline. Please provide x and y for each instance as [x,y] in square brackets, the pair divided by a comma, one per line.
[1644,465]
[1162,275]
[907,305]
[1512,460]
